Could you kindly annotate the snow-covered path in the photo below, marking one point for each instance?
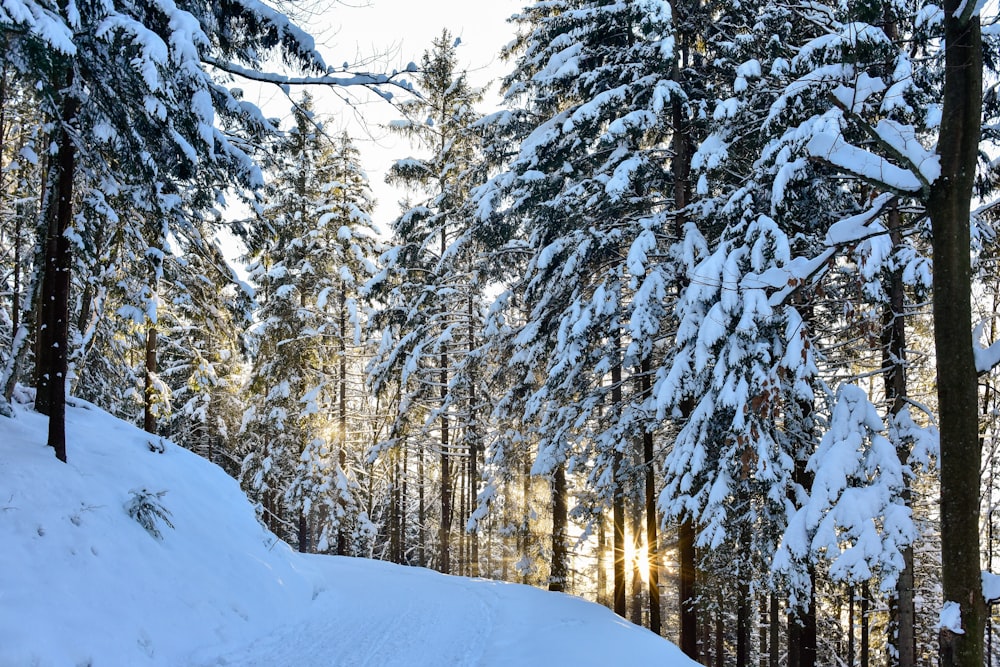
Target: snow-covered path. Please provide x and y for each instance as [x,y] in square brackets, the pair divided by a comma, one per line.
[414,617]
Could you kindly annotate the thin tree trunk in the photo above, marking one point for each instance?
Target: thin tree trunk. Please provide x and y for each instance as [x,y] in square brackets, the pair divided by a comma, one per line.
[560,517]
[602,561]
[445,528]
[720,632]
[743,616]
[902,636]
[342,414]
[774,631]
[850,626]
[865,627]
[687,590]
[149,389]
[652,541]
[958,422]
[635,592]
[473,444]
[618,502]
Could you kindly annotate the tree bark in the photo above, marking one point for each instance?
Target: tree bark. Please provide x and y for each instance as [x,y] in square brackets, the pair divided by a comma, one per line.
[743,615]
[652,541]
[149,388]
[958,422]
[618,502]
[55,289]
[687,591]
[902,636]
[560,517]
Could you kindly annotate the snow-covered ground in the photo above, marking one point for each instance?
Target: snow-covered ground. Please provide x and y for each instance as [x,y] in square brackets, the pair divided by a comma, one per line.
[83,583]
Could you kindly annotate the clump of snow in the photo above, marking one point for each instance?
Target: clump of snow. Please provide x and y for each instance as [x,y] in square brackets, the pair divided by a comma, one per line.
[991,586]
[951,618]
[83,582]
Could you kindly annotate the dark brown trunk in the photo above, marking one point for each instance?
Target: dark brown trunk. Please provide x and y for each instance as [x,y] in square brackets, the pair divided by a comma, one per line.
[743,615]
[720,632]
[342,413]
[149,389]
[902,636]
[445,529]
[850,625]
[687,591]
[774,632]
[560,518]
[865,627]
[618,502]
[652,540]
[56,289]
[958,421]
[303,533]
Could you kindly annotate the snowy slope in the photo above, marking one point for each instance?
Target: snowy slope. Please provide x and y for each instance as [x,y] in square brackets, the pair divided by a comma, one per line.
[83,583]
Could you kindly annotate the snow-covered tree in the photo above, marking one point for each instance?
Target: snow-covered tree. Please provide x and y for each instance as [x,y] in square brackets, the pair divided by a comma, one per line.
[430,287]
[578,205]
[313,249]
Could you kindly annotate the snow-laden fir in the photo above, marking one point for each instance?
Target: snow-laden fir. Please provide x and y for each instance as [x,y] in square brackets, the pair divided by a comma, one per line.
[83,582]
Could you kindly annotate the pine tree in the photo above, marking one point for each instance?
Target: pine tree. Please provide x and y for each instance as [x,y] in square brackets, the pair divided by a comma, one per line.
[313,249]
[576,208]
[430,284]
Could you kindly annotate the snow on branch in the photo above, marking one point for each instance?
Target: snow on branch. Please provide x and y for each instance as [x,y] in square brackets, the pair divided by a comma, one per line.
[789,277]
[339,79]
[854,514]
[987,358]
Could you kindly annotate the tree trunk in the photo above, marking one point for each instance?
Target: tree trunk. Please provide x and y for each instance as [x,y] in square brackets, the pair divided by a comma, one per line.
[342,414]
[865,627]
[445,528]
[687,591]
[149,388]
[902,635]
[618,502]
[743,616]
[652,541]
[55,291]
[958,421]
[774,632]
[560,517]
[473,439]
[635,592]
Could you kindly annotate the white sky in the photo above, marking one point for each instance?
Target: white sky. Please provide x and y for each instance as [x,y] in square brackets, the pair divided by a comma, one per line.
[403,29]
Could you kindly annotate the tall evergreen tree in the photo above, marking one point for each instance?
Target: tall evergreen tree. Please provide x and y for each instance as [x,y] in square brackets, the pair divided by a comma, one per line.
[430,284]
[314,248]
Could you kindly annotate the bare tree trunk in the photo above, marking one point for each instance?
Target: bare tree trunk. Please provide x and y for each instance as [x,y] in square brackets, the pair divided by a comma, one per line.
[902,636]
[560,517]
[652,541]
[687,591]
[473,444]
[743,615]
[865,627]
[618,502]
[635,591]
[774,631]
[445,528]
[342,413]
[149,389]
[958,422]
[55,290]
